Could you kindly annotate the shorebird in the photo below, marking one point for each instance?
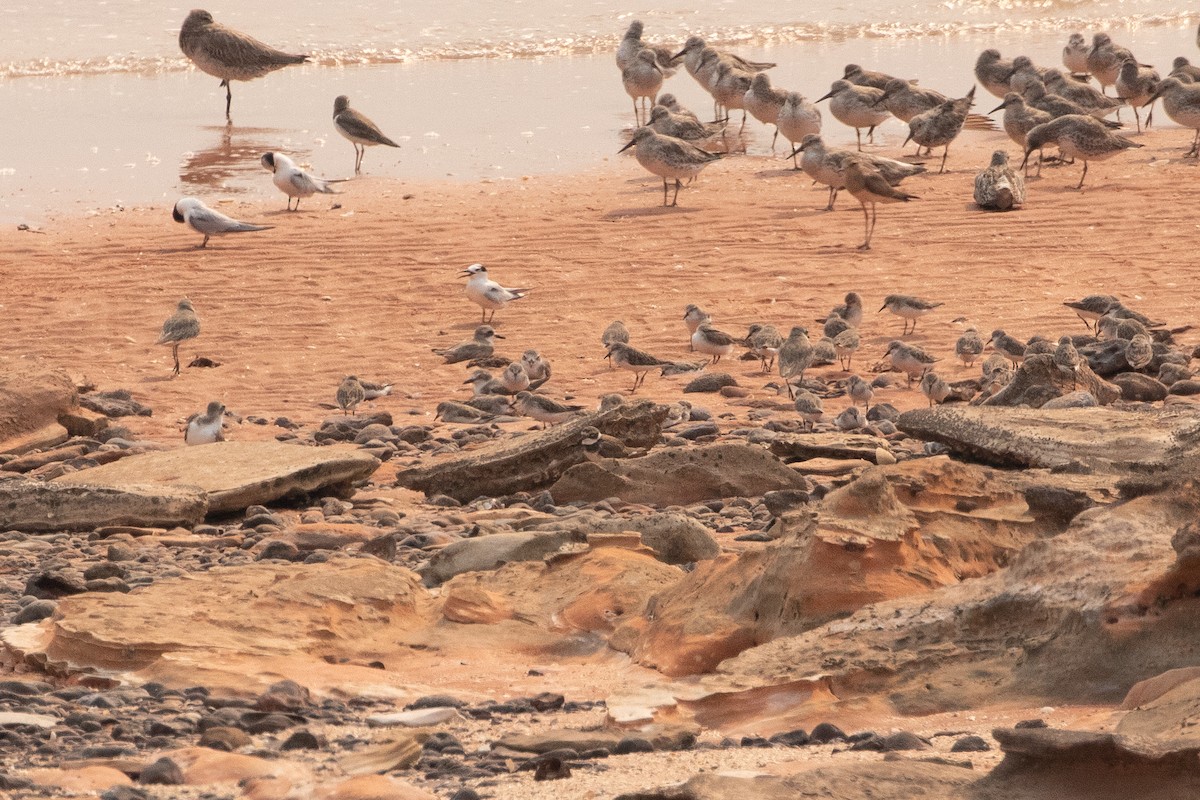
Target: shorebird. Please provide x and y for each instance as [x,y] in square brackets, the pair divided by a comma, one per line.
[1056,105]
[1104,60]
[682,126]
[1092,307]
[1138,86]
[795,356]
[293,181]
[1129,328]
[934,388]
[909,359]
[728,85]
[492,404]
[856,106]
[1077,136]
[1074,55]
[632,44]
[228,54]
[450,411]
[1181,68]
[860,391]
[694,47]
[536,367]
[851,309]
[905,100]
[969,346]
[642,80]
[1098,104]
[712,342]
[1181,101]
[673,105]
[356,127]
[349,394]
[844,345]
[1020,119]
[1024,70]
[764,102]
[827,166]
[481,345]
[178,328]
[866,77]
[764,341]
[1068,359]
[668,158]
[908,308]
[486,293]
[482,383]
[999,187]
[809,407]
[205,428]
[203,219]
[868,185]
[543,409]
[597,445]
[797,120]
[694,317]
[615,332]
[636,361]
[824,353]
[373,390]
[834,324]
[941,125]
[1139,352]
[1008,346]
[994,72]
[851,419]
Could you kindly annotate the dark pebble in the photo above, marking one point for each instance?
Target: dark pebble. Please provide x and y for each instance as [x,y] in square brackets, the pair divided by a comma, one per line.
[826,732]
[754,741]
[970,744]
[163,772]
[796,738]
[633,744]
[547,701]
[105,569]
[435,701]
[465,794]
[284,551]
[52,584]
[125,793]
[302,740]
[1031,723]
[37,610]
[551,769]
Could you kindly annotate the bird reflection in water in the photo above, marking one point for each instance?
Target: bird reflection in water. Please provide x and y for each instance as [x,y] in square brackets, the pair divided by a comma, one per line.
[233,162]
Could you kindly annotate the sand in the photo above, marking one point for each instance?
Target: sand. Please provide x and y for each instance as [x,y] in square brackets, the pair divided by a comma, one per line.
[371,285]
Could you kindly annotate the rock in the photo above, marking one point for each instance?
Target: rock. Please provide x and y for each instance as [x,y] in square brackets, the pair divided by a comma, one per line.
[371,787]
[1104,440]
[970,744]
[1056,505]
[533,460]
[10,719]
[1186,388]
[709,382]
[1140,388]
[225,739]
[32,461]
[117,403]
[1039,380]
[551,769]
[547,741]
[633,744]
[804,446]
[1076,399]
[31,400]
[413,719]
[679,476]
[698,431]
[234,475]
[83,779]
[37,507]
[796,738]
[163,772]
[826,732]
[398,753]
[303,740]
[783,500]
[490,552]
[903,740]
[54,584]
[674,537]
[39,609]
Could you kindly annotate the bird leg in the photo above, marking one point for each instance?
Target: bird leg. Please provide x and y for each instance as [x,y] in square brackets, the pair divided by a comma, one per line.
[175,355]
[205,242]
[945,153]
[228,97]
[858,137]
[1084,175]
[866,245]
[871,134]
[773,138]
[832,196]
[1137,117]
[675,199]
[1195,146]
[664,192]
[1150,117]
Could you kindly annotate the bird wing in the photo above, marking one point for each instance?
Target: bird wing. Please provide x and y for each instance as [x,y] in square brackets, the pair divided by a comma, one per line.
[355,124]
[205,220]
[307,184]
[228,46]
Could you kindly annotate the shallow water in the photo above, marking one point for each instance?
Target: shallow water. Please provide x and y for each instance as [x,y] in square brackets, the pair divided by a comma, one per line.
[94,139]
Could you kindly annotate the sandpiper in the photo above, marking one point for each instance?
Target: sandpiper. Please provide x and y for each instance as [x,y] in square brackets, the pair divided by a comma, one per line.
[851,309]
[536,367]
[795,356]
[1139,352]
[797,120]
[860,391]
[712,342]
[632,44]
[809,407]
[764,341]
[672,104]
[905,100]
[969,346]
[728,87]
[668,158]
[349,394]
[1096,103]
[481,345]
[868,185]
[1024,70]
[909,359]
[1092,307]
[827,166]
[1008,346]
[1077,136]
[544,409]
[844,344]
[486,293]
[178,328]
[856,106]
[356,127]
[515,378]
[634,360]
[615,332]
[834,324]
[1020,119]
[1104,60]
[203,219]
[293,181]
[642,80]
[941,125]
[1067,359]
[908,308]
[450,411]
[1138,86]
[866,77]
[482,383]
[1183,69]
[999,187]
[764,102]
[694,47]
[994,72]
[694,317]
[1074,55]
[682,126]
[934,388]
[228,54]
[851,419]
[373,390]
[206,428]
[1181,101]
[1037,95]
[493,404]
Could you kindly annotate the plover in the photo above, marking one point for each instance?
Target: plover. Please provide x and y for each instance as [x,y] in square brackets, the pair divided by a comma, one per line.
[228,54]
[349,394]
[203,219]
[358,129]
[809,407]
[764,341]
[939,126]
[868,185]
[866,77]
[597,445]
[844,344]
[1092,307]
[994,72]
[856,106]
[486,293]
[908,308]
[642,79]
[1181,101]
[1008,346]
[798,119]
[1077,136]
[293,181]
[934,388]
[765,102]
[536,367]
[515,378]
[615,332]
[482,383]
[795,356]
[909,359]
[1074,55]
[712,342]
[669,158]
[544,409]
[1138,86]
[178,328]
[999,187]
[860,391]
[969,346]
[206,428]
[481,345]
[632,44]
[826,166]
[636,361]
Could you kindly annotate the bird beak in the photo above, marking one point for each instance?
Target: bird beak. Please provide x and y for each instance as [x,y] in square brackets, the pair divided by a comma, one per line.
[680,53]
[990,344]
[881,310]
[608,354]
[464,272]
[797,150]
[469,380]
[997,108]
[907,139]
[626,147]
[882,97]
[1153,97]
[498,336]
[825,97]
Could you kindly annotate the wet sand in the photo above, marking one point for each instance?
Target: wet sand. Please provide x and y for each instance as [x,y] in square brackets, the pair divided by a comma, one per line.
[370,287]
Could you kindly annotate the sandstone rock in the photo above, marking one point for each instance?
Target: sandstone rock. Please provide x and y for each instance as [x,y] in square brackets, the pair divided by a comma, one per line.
[803,446]
[397,753]
[202,766]
[492,551]
[533,460]
[1137,387]
[416,718]
[32,461]
[558,739]
[38,507]
[1039,380]
[92,778]
[235,475]
[678,476]
[1186,388]
[14,718]
[373,787]
[1076,399]
[31,401]
[675,538]
[117,403]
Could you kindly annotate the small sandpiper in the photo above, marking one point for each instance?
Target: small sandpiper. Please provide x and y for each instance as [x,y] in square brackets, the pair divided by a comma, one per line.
[999,187]
[851,309]
[450,411]
[795,356]
[1077,136]
[1139,352]
[939,126]
[693,318]
[969,346]
[544,409]
[1067,359]
[482,383]
[349,394]
[1092,307]
[178,328]
[481,345]
[615,332]
[668,158]
[833,325]
[764,341]
[636,361]
[909,359]
[809,407]
[536,367]
[206,428]
[1008,346]
[908,308]
[712,342]
[860,391]
[868,185]
[851,419]
[934,388]
[358,129]
[515,378]
[844,344]
[856,106]
[488,294]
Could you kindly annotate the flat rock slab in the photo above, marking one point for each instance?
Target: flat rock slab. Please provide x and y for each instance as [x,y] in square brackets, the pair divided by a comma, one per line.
[1100,439]
[235,475]
[11,718]
[804,446]
[38,507]
[559,739]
